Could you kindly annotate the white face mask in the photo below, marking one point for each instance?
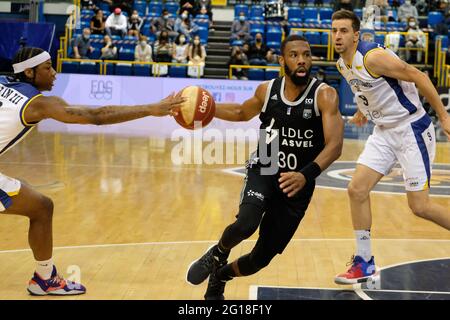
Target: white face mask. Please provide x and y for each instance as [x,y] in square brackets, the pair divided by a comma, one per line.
[143,43]
[412,24]
[196,42]
[182,40]
[407,2]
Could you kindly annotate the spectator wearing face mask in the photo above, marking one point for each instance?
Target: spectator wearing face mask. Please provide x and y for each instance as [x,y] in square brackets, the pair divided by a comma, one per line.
[407,10]
[109,51]
[116,24]
[196,57]
[163,48]
[143,51]
[134,24]
[82,45]
[184,25]
[240,29]
[415,38]
[257,53]
[238,58]
[180,49]
[164,23]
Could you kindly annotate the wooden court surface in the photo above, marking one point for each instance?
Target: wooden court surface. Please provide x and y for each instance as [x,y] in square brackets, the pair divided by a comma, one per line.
[132,222]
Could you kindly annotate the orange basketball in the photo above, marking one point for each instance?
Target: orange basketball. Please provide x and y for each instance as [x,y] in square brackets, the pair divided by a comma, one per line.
[199,108]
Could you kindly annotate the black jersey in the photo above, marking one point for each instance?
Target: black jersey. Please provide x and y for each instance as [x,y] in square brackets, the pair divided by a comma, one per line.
[296,126]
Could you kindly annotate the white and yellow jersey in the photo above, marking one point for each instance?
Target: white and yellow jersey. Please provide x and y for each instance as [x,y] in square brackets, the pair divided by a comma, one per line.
[14,99]
[384,100]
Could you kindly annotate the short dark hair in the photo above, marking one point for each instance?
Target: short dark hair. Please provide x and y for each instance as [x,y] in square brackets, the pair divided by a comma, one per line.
[350,15]
[292,37]
[23,54]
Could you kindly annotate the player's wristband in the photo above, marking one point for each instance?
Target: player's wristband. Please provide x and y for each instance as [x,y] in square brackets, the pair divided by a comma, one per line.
[311,171]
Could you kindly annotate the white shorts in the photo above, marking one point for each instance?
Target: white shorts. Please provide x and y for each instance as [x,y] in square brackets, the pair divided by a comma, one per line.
[412,144]
[8,187]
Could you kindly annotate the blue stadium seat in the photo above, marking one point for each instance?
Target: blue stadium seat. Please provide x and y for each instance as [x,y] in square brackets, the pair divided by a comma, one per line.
[203,23]
[203,34]
[103,6]
[142,70]
[297,32]
[310,13]
[444,41]
[324,38]
[271,74]
[434,17]
[273,34]
[325,23]
[238,43]
[313,37]
[96,53]
[379,38]
[240,7]
[311,23]
[109,68]
[172,7]
[70,67]
[127,55]
[256,27]
[97,37]
[294,13]
[392,25]
[141,7]
[256,74]
[274,45]
[294,23]
[89,67]
[358,13]
[257,12]
[123,69]
[325,13]
[155,7]
[177,71]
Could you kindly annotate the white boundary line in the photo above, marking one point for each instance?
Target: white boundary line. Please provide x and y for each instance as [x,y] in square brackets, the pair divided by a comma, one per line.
[357,287]
[162,243]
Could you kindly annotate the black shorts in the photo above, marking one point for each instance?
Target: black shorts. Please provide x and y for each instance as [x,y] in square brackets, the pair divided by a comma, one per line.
[282,215]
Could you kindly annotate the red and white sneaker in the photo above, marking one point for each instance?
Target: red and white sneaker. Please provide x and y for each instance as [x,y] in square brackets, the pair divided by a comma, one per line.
[359,272]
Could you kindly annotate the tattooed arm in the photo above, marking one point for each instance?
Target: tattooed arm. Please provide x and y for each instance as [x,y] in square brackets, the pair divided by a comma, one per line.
[58,109]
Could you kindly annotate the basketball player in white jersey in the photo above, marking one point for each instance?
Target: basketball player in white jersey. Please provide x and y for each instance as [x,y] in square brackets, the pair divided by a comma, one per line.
[385,92]
[22,107]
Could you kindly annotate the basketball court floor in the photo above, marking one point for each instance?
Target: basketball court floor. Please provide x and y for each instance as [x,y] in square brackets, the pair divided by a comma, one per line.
[128,223]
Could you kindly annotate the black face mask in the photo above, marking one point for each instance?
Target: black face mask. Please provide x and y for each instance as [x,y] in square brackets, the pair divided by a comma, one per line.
[296,79]
[258,40]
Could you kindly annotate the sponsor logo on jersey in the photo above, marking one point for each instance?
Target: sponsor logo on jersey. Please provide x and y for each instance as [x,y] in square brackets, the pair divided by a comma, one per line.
[360,83]
[258,195]
[307,113]
[274,97]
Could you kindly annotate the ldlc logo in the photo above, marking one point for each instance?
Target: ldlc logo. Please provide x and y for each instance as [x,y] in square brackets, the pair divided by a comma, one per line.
[101,89]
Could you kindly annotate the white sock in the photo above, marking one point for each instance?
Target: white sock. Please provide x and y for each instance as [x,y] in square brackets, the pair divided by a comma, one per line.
[44,268]
[363,244]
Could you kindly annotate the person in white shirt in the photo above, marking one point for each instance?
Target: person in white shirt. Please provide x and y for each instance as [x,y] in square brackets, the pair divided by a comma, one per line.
[116,24]
[180,49]
[143,51]
[415,38]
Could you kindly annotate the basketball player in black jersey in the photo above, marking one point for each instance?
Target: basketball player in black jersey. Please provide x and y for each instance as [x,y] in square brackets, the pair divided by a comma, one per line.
[300,116]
